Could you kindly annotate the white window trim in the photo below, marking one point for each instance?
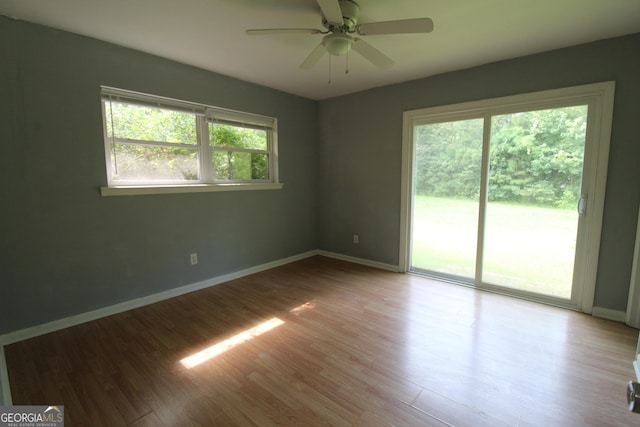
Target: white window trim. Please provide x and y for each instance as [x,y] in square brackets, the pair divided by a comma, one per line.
[139,190]
[206,114]
[599,96]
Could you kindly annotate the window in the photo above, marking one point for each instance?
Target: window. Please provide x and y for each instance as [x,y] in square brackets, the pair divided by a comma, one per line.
[155,144]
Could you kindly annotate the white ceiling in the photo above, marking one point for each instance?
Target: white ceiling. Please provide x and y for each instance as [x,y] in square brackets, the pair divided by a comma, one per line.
[210,34]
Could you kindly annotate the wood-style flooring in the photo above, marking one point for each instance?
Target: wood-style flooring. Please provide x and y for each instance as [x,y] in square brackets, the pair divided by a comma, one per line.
[325,342]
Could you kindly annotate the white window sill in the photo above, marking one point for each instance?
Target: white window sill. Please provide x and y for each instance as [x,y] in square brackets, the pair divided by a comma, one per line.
[138,190]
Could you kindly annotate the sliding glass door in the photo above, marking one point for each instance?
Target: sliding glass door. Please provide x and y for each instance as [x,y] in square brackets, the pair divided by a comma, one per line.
[497,197]
[535,180]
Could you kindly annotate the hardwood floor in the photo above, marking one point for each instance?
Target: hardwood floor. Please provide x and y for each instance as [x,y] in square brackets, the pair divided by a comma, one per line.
[350,345]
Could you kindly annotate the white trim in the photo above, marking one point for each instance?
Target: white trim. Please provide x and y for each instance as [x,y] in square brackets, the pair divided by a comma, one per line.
[139,98]
[600,98]
[598,142]
[361,261]
[406,193]
[192,188]
[483,199]
[241,118]
[5,387]
[204,114]
[609,314]
[633,301]
[211,112]
[574,95]
[57,325]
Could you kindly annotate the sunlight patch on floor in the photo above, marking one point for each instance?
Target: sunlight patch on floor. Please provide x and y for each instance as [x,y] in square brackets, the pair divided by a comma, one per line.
[226,345]
[302,307]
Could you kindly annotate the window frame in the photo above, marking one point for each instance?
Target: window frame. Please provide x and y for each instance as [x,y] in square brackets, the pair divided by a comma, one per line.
[600,99]
[204,115]
[219,148]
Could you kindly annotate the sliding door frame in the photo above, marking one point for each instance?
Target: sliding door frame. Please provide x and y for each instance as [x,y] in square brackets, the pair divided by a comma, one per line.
[599,97]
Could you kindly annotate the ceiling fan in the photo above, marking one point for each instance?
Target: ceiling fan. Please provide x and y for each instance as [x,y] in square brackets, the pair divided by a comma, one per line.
[340,20]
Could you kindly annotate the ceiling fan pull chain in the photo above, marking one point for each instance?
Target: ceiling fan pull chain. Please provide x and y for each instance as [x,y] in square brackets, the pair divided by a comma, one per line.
[346,70]
[342,33]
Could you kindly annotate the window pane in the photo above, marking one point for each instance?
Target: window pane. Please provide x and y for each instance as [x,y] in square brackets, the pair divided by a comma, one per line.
[237,137]
[156,141]
[148,163]
[446,197]
[231,165]
[535,178]
[128,121]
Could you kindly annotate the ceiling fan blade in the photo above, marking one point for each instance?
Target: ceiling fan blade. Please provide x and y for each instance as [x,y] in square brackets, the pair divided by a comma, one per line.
[313,58]
[405,26]
[331,11]
[270,31]
[372,54]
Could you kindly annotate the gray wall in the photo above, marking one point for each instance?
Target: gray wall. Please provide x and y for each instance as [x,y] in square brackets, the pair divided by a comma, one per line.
[64,249]
[361,137]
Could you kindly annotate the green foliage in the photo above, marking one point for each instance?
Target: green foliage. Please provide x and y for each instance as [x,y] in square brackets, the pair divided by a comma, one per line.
[146,123]
[238,165]
[535,157]
[448,159]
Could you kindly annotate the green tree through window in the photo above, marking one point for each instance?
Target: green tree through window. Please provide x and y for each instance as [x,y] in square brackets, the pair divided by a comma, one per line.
[152,140]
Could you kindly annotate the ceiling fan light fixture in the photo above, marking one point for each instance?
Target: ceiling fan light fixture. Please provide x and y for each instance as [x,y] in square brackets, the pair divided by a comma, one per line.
[337,43]
[340,20]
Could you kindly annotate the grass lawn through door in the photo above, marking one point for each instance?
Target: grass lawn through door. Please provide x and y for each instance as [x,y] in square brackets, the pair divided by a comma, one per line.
[526,247]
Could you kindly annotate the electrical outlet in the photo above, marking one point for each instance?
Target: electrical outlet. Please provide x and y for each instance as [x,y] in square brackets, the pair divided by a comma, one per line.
[355,238]
[194,258]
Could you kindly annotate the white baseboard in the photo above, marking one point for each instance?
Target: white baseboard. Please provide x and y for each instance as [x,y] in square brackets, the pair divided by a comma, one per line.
[34,331]
[31,332]
[607,313]
[78,319]
[361,261]
[57,325]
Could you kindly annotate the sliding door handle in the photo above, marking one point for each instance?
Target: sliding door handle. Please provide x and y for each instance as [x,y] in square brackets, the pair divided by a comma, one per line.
[582,205]
[633,396]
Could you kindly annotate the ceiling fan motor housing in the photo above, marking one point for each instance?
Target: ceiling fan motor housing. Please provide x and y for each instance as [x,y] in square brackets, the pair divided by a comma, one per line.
[337,43]
[342,24]
[350,12]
